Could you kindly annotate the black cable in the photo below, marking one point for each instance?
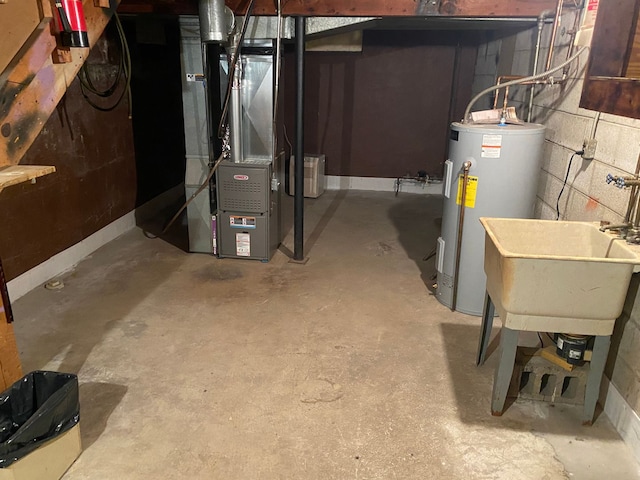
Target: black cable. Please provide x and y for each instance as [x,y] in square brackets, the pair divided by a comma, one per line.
[431,254]
[124,69]
[232,68]
[540,338]
[195,194]
[566,178]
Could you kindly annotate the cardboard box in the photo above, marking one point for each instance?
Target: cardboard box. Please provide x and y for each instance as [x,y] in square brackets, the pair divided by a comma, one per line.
[313,175]
[48,462]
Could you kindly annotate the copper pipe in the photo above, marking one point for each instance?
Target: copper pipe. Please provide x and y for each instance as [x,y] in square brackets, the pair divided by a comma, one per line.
[466,166]
[633,199]
[536,57]
[506,99]
[506,93]
[545,78]
[554,33]
[572,34]
[509,77]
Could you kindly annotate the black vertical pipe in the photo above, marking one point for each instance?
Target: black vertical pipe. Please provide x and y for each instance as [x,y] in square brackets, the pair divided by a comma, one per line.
[211,60]
[298,198]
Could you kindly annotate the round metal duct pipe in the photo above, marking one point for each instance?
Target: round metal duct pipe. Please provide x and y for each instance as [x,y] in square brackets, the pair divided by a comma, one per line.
[214,21]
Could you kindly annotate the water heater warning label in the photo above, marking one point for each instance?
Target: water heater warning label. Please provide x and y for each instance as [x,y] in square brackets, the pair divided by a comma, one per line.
[491,146]
[472,188]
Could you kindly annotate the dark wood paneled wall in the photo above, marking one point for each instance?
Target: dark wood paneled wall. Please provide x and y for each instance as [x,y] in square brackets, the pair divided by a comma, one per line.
[98,177]
[385,112]
[158,124]
[605,87]
[94,183]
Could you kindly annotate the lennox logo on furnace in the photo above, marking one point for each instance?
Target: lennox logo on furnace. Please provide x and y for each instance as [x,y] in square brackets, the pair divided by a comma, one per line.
[241,177]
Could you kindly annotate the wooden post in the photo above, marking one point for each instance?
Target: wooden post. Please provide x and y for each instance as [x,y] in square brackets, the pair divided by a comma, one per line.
[10,367]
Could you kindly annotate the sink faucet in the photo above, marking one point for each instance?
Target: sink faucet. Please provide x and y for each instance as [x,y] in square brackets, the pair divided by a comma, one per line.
[626,230]
[629,230]
[618,226]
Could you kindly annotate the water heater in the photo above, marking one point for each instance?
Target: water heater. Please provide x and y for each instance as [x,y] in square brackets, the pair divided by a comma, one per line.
[502,181]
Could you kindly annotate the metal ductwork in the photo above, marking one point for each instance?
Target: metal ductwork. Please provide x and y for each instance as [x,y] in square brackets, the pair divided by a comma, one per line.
[216,21]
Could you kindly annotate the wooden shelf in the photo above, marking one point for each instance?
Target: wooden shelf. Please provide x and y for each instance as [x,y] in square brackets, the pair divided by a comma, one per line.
[16,174]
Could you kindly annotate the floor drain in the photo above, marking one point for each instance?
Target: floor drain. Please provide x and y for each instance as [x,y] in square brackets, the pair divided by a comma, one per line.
[54,285]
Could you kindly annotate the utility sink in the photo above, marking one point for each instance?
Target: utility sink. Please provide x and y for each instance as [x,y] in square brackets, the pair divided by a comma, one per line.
[556,276]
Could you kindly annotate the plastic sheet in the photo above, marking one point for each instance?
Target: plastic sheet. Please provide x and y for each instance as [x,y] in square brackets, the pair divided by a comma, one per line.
[40,406]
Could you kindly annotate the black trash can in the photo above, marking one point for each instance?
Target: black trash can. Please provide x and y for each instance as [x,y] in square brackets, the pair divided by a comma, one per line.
[35,410]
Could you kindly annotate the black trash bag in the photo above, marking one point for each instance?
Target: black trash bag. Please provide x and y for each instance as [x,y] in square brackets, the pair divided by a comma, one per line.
[38,407]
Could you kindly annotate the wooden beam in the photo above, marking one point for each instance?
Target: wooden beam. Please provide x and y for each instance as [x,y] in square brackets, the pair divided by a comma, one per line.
[368,8]
[16,174]
[10,367]
[382,8]
[17,21]
[27,107]
[31,56]
[619,96]
[170,7]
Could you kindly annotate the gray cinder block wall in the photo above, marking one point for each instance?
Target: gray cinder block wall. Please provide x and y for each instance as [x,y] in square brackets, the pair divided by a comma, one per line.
[586,196]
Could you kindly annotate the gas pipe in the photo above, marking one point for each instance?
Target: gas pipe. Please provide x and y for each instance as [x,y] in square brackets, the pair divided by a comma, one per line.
[71,23]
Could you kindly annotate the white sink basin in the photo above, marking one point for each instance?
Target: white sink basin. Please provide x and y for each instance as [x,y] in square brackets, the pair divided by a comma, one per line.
[556,276]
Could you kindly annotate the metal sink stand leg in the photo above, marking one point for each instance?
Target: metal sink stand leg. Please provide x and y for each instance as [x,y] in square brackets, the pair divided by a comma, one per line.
[504,369]
[596,370]
[485,333]
[507,352]
[506,362]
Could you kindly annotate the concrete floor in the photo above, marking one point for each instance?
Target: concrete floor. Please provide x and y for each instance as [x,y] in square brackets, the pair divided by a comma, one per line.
[346,367]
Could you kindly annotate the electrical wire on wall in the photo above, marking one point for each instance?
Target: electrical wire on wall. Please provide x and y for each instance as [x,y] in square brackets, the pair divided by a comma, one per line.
[88,86]
[564,184]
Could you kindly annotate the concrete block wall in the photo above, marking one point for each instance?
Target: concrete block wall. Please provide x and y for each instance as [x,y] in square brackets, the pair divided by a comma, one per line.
[586,195]
[485,71]
[623,367]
